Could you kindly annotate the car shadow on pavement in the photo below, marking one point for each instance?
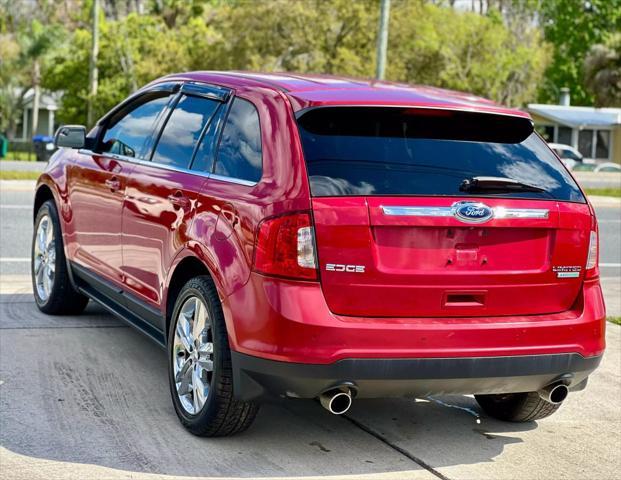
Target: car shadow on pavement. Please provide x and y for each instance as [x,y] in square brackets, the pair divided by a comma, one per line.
[88,390]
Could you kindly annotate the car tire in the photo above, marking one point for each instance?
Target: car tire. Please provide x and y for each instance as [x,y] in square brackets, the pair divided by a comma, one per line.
[53,292]
[199,353]
[517,407]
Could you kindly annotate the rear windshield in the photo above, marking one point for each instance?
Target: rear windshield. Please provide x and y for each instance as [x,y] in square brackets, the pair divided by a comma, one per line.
[405,151]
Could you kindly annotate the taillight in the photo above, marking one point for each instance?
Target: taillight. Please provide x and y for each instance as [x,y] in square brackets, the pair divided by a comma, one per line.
[592,264]
[286,247]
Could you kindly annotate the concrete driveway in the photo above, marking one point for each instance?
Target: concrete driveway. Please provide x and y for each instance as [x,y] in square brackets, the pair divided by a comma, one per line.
[87,397]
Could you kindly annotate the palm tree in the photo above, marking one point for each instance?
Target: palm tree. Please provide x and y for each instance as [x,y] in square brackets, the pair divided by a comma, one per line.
[602,72]
[35,44]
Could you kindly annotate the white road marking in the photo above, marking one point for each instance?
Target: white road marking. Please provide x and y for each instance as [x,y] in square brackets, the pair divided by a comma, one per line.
[17,207]
[610,264]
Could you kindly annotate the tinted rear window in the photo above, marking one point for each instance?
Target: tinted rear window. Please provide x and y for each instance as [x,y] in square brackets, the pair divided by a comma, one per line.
[401,151]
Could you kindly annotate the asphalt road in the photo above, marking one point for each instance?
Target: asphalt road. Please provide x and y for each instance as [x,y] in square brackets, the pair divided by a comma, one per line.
[22,166]
[87,397]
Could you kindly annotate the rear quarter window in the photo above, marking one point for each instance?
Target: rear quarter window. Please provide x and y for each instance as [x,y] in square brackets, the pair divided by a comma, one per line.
[239,151]
[404,151]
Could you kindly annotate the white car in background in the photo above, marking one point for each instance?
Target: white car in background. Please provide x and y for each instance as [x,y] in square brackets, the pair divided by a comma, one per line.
[568,154]
[572,158]
[608,167]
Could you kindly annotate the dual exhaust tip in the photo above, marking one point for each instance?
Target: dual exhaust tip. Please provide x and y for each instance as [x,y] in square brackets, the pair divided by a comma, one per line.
[338,400]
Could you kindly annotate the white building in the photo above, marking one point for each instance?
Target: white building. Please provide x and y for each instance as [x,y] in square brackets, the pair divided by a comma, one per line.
[48,104]
[595,132]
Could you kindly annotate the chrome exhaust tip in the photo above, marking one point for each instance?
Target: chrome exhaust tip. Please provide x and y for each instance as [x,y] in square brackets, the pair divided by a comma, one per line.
[554,393]
[336,401]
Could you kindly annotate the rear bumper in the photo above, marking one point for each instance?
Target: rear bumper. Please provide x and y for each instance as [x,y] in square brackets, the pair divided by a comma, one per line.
[257,378]
[289,321]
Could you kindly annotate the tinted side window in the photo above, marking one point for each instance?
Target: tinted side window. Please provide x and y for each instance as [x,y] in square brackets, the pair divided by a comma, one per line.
[183,130]
[204,156]
[129,132]
[239,152]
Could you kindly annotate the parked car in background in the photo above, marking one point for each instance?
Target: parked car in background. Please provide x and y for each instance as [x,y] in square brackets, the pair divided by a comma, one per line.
[607,167]
[288,236]
[568,154]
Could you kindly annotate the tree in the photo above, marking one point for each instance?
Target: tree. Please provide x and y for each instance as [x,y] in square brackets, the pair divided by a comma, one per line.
[36,43]
[602,72]
[304,36]
[573,26]
[25,44]
[429,44]
[133,51]
[11,93]
[465,51]
[176,12]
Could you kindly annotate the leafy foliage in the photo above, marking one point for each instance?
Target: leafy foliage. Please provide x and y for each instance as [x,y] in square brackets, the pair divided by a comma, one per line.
[465,51]
[602,70]
[21,56]
[573,26]
[499,53]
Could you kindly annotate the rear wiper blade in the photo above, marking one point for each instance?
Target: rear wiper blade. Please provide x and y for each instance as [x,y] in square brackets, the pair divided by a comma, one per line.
[501,184]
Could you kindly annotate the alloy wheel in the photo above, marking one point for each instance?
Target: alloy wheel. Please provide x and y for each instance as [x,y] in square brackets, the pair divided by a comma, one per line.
[193,355]
[44,263]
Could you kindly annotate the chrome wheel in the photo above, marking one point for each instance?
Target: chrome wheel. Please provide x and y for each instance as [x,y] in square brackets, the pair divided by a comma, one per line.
[193,355]
[44,261]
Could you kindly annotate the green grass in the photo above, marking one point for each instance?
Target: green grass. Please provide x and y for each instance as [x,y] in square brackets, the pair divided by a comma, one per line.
[20,156]
[605,192]
[15,175]
[615,320]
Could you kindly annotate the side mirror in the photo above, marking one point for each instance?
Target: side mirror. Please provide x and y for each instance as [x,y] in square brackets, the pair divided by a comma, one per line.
[70,136]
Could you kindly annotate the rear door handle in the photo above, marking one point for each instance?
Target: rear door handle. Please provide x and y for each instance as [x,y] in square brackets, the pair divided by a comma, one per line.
[179,200]
[113,184]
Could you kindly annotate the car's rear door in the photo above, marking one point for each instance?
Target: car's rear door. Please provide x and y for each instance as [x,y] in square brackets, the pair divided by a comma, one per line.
[97,181]
[398,235]
[162,193]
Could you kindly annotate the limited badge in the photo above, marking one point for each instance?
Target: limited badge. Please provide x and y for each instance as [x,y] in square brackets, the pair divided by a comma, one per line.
[567,271]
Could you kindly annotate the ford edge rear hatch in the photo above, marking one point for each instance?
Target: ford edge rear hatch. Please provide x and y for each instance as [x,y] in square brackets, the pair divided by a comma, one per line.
[439,213]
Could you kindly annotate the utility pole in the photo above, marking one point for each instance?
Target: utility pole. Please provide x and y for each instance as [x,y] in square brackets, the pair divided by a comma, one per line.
[92,69]
[382,39]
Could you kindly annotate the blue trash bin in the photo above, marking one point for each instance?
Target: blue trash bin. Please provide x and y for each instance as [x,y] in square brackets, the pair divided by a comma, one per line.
[43,147]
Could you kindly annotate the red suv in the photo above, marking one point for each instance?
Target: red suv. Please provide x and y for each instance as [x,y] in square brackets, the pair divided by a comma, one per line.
[317,237]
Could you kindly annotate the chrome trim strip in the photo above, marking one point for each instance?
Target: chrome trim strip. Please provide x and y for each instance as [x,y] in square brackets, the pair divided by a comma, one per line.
[418,211]
[238,181]
[499,212]
[502,212]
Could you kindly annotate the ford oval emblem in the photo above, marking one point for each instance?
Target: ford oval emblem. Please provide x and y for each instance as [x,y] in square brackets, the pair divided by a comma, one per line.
[472,212]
